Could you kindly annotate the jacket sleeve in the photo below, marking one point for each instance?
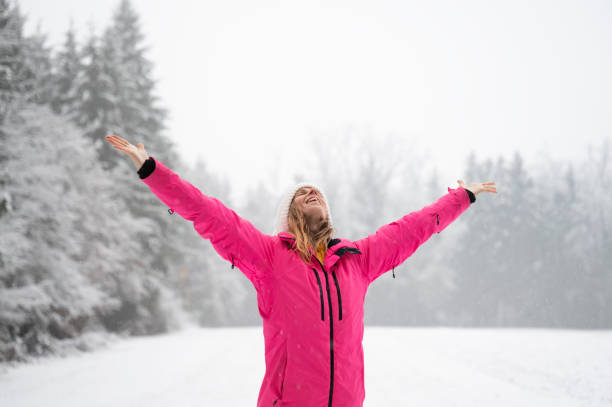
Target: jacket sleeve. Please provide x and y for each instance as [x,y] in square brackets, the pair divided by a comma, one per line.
[395,242]
[233,237]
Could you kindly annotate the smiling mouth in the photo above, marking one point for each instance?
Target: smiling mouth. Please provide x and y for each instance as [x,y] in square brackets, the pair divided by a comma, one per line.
[311,200]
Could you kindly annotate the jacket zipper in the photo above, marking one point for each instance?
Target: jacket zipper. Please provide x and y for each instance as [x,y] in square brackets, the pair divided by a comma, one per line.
[320,293]
[331,337]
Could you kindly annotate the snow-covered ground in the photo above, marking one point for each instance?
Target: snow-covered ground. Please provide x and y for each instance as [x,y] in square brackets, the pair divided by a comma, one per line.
[403,367]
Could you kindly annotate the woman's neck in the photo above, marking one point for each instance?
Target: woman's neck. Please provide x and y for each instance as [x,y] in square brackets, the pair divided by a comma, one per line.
[315,224]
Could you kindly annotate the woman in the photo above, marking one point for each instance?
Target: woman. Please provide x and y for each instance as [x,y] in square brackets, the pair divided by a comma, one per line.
[310,286]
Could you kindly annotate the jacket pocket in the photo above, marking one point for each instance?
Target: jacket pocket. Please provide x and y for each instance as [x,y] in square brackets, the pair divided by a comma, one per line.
[283,378]
[320,293]
[339,297]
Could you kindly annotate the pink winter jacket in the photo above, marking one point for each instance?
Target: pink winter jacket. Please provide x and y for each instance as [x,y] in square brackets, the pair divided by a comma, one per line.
[312,314]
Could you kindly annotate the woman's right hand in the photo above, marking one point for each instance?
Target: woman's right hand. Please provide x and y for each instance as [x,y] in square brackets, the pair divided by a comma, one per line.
[138,153]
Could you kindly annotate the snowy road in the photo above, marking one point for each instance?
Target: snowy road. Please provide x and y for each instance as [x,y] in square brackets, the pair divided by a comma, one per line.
[404,367]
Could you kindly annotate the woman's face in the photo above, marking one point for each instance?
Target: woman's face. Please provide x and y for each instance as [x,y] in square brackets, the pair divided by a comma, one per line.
[310,201]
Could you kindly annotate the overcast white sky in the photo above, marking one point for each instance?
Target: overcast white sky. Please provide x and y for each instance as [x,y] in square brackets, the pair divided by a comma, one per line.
[249,81]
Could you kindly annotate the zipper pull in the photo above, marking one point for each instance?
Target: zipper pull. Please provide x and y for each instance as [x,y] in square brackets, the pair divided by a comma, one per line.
[232,262]
[437,219]
[393,272]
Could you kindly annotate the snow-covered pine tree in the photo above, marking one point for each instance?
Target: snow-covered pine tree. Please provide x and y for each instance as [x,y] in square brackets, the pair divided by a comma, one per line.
[594,242]
[495,281]
[68,65]
[38,59]
[94,107]
[48,258]
[16,75]
[139,118]
[81,244]
[71,263]
[95,111]
[139,113]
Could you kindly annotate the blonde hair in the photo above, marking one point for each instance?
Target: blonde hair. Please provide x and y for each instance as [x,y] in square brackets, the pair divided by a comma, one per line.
[304,238]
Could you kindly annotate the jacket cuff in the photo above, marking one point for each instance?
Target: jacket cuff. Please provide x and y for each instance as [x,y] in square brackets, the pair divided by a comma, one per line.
[471,195]
[147,168]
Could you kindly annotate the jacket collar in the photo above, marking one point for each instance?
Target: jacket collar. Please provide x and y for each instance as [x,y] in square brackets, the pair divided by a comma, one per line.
[336,248]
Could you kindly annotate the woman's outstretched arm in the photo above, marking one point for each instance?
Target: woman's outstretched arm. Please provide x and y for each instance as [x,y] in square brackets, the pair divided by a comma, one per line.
[233,237]
[395,242]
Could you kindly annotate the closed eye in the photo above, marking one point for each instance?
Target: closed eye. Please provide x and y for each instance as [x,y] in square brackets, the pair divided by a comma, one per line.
[305,192]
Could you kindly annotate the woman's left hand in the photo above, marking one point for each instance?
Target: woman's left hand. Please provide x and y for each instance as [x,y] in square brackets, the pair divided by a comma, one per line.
[479,187]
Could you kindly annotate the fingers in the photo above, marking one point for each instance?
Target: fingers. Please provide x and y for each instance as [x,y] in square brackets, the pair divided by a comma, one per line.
[115,142]
[486,186]
[113,139]
[118,140]
[489,188]
[120,144]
